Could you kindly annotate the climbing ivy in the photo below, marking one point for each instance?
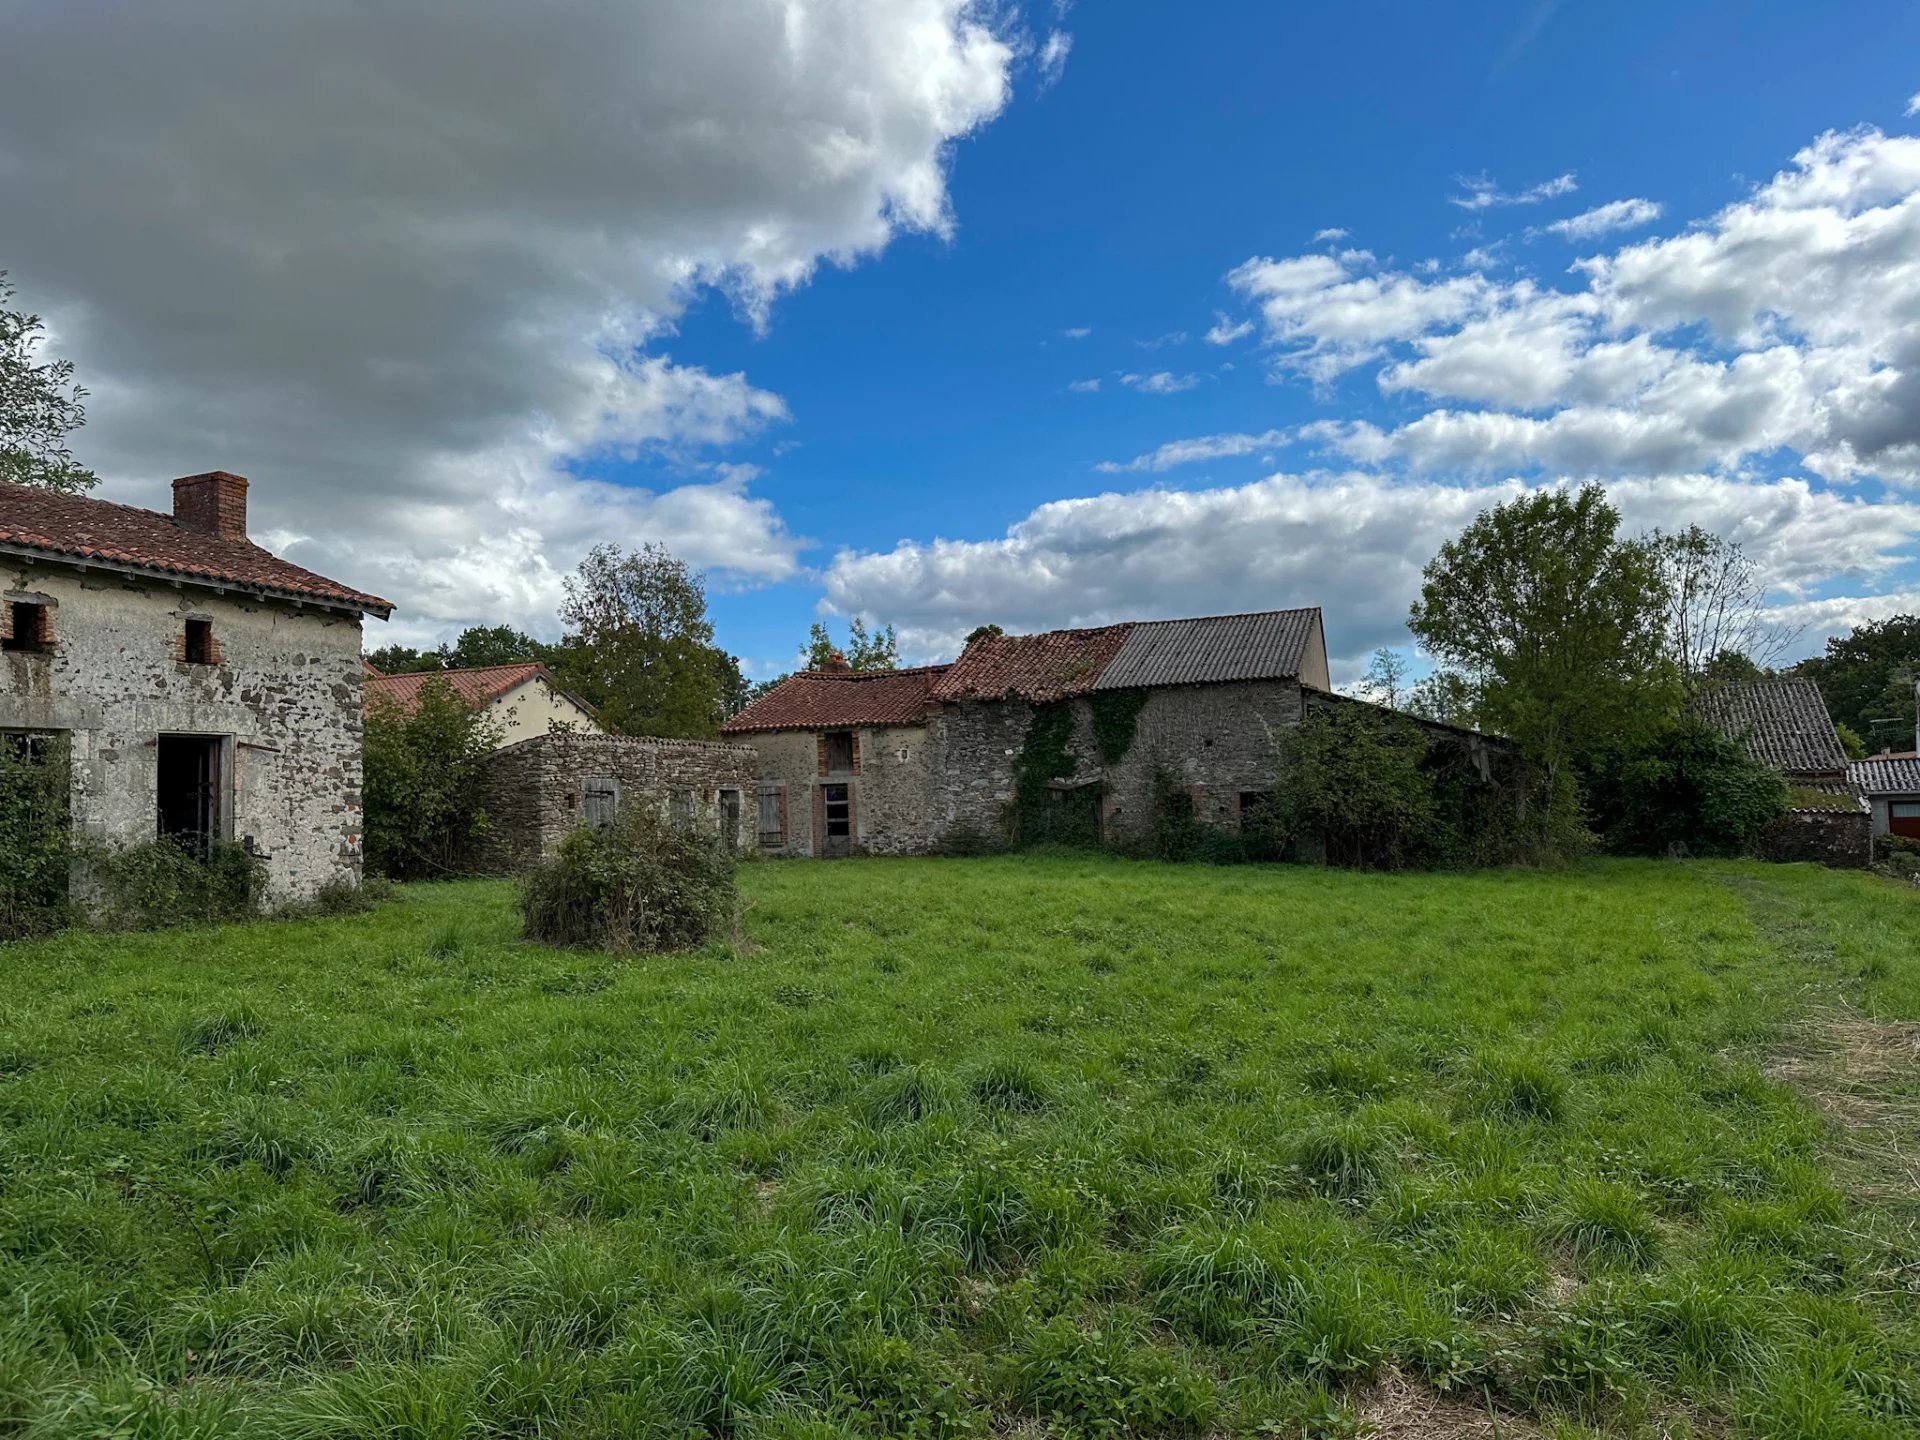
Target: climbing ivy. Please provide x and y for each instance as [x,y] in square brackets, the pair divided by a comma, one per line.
[1115,714]
[1042,815]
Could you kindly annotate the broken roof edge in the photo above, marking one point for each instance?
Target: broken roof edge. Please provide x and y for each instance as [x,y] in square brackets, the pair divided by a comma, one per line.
[904,715]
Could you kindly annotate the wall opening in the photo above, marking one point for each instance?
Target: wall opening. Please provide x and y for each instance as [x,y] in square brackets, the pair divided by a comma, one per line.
[29,628]
[730,819]
[198,646]
[189,778]
[839,752]
[599,802]
[773,817]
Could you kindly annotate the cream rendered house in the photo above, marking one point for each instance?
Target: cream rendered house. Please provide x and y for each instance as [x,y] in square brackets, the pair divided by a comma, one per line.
[524,699]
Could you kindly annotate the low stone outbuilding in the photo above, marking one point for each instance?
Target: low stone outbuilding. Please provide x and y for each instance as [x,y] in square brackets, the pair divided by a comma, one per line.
[536,791]
[910,761]
[1784,723]
[203,689]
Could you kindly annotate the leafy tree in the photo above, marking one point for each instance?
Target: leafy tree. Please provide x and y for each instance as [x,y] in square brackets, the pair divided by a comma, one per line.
[641,646]
[1558,619]
[1685,788]
[403,660]
[1386,679]
[981,631]
[1446,696]
[1850,742]
[39,406]
[1868,677]
[1716,607]
[479,646]
[421,785]
[864,650]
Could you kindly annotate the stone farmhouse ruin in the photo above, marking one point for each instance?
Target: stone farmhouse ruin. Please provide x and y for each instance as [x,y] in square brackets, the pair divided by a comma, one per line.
[909,761]
[203,688]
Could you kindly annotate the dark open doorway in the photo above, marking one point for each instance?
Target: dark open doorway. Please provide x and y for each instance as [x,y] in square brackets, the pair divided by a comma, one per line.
[837,810]
[189,790]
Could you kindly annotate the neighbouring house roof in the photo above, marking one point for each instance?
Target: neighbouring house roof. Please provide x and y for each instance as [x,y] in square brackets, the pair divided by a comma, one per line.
[1049,666]
[1885,775]
[78,529]
[477,686]
[1781,720]
[840,699]
[1269,645]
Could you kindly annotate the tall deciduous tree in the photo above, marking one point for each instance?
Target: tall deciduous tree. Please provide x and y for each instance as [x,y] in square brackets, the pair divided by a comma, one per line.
[1716,607]
[39,405]
[1559,620]
[1385,682]
[641,646]
[479,646]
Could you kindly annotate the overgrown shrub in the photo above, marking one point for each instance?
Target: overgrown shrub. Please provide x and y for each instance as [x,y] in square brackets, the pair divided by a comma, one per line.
[162,883]
[638,884]
[1685,789]
[1897,855]
[36,848]
[1351,789]
[422,783]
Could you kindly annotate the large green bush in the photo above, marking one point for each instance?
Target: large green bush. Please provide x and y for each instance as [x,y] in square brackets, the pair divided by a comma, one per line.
[163,883]
[638,884]
[36,849]
[1685,789]
[1351,789]
[422,783]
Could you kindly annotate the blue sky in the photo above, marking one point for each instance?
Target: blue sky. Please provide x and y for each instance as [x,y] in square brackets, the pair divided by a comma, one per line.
[845,311]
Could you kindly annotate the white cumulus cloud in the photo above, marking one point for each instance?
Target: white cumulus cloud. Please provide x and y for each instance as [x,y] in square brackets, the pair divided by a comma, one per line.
[1189,452]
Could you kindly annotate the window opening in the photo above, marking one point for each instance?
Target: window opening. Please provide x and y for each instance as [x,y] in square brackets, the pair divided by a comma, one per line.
[840,752]
[839,813]
[28,632]
[198,649]
[599,802]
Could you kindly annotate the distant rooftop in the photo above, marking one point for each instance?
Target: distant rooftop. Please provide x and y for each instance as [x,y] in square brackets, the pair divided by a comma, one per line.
[1782,721]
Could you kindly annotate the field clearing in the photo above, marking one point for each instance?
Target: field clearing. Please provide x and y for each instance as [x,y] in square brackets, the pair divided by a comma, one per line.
[1015,1146]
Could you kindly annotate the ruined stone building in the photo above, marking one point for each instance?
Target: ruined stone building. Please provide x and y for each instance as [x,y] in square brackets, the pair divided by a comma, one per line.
[201,687]
[524,700]
[1075,733]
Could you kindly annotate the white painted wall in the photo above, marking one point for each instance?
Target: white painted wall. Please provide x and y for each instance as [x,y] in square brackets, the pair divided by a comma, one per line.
[534,708]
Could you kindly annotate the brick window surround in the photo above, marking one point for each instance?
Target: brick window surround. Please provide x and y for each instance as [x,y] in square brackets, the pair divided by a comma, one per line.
[26,627]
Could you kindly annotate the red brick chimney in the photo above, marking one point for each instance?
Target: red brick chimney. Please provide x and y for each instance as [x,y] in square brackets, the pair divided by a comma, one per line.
[836,664]
[213,504]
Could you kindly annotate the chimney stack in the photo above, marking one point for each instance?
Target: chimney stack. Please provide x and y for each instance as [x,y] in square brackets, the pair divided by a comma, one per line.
[212,504]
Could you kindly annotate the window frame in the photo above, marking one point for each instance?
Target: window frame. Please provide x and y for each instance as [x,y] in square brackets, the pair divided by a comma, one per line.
[41,630]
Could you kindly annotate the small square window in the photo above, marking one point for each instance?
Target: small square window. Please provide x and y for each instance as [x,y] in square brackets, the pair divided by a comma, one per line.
[29,631]
[198,649]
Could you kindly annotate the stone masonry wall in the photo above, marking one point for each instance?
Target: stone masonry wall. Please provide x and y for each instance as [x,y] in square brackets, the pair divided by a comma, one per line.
[1842,839]
[284,695]
[533,790]
[894,766]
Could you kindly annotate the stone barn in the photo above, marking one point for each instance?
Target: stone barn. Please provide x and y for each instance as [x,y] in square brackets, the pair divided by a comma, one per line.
[536,791]
[203,689]
[1784,724]
[1074,732]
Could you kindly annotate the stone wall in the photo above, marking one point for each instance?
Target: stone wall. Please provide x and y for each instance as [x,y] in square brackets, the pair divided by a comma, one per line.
[1216,742]
[283,696]
[533,791]
[893,768]
[1842,839]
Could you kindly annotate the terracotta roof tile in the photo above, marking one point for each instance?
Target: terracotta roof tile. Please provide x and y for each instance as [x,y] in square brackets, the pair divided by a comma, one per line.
[77,528]
[835,700]
[476,686]
[1049,666]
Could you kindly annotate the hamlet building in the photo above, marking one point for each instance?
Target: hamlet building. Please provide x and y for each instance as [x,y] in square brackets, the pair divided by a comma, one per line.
[202,688]
[1078,733]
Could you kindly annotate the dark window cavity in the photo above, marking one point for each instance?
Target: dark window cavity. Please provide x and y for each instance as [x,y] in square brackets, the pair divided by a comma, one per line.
[29,628]
[198,649]
[189,782]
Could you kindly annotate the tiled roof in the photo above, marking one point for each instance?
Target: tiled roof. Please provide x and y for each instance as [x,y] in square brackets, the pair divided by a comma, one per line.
[1049,666]
[1781,720]
[835,700]
[1818,800]
[76,528]
[476,686]
[1888,776]
[1265,646]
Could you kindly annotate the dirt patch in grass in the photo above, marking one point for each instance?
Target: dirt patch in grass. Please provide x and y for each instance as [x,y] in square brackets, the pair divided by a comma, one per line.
[1401,1408]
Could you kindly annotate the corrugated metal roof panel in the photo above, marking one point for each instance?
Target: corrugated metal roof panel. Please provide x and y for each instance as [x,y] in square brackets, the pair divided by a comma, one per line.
[1268,645]
[1782,721]
[1886,777]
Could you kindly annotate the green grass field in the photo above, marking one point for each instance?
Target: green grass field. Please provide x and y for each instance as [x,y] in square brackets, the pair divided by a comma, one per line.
[1031,1146]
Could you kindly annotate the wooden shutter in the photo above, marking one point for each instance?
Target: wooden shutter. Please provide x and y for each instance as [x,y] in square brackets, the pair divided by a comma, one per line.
[599,801]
